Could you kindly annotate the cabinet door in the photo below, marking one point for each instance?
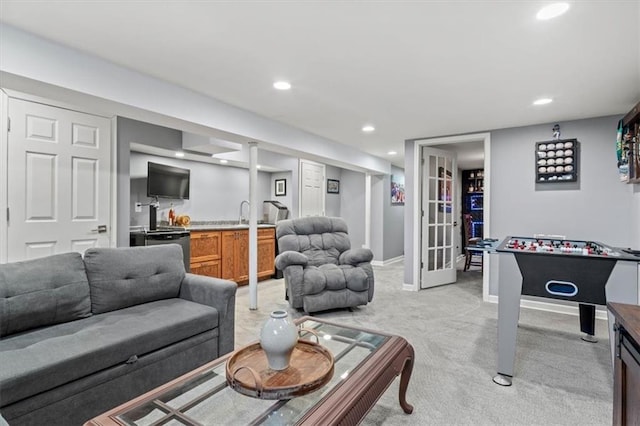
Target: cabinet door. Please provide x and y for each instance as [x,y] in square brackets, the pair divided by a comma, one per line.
[266,257]
[626,399]
[266,252]
[242,255]
[228,255]
[210,268]
[205,245]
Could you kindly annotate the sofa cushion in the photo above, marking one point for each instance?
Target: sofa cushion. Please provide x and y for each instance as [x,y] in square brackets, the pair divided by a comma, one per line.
[122,277]
[45,291]
[331,277]
[43,359]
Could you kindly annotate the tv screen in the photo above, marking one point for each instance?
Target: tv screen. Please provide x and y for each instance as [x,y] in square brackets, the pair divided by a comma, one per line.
[167,181]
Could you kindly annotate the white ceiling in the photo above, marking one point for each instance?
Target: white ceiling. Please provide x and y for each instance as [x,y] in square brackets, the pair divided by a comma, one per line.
[413,69]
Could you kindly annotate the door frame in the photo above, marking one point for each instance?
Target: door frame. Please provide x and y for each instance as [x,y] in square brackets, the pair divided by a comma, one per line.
[5,94]
[417,191]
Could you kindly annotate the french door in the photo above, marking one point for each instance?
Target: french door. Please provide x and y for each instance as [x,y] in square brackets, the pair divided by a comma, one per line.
[438,181]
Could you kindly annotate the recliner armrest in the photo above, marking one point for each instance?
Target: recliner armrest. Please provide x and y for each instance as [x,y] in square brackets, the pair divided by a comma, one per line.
[218,293]
[289,258]
[356,256]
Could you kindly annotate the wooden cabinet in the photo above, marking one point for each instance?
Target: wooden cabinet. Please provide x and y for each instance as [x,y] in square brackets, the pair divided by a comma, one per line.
[205,253]
[266,252]
[225,254]
[626,382]
[235,258]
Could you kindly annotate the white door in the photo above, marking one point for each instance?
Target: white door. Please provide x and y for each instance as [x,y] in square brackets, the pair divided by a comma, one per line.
[58,180]
[438,257]
[312,193]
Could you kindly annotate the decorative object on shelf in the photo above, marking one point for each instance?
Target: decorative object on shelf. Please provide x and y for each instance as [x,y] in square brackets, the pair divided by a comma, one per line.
[183,220]
[278,337]
[556,131]
[281,187]
[556,160]
[397,190]
[333,186]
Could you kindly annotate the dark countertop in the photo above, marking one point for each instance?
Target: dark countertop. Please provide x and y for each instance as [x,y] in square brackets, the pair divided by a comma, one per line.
[628,316]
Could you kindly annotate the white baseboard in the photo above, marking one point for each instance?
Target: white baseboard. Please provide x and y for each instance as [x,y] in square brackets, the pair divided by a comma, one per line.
[601,313]
[409,287]
[387,262]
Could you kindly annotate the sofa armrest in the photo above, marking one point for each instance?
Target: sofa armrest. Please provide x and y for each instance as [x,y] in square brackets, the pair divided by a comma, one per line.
[356,256]
[288,258]
[220,294]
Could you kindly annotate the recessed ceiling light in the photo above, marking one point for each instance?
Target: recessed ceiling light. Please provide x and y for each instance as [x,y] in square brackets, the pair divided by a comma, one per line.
[542,101]
[392,153]
[551,11]
[368,128]
[258,166]
[179,154]
[282,85]
[223,161]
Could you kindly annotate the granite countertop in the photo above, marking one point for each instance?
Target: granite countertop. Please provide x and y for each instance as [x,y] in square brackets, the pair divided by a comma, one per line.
[217,225]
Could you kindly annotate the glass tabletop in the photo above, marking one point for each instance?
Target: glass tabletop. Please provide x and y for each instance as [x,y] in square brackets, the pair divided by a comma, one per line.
[205,399]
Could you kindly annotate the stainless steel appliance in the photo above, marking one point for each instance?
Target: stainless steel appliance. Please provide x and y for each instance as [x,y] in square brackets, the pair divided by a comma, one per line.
[274,211]
[162,236]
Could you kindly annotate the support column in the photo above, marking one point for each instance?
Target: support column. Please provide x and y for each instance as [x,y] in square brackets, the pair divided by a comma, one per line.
[367,210]
[253,225]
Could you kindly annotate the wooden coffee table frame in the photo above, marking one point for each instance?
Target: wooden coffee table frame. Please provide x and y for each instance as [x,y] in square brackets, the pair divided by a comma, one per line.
[346,404]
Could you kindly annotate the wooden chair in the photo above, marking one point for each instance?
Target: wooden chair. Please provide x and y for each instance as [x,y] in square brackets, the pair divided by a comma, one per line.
[469,254]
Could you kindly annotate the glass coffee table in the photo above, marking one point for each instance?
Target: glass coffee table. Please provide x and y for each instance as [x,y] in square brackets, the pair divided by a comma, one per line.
[366,363]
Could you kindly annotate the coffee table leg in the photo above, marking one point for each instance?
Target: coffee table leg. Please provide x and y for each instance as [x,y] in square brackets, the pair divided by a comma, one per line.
[404,381]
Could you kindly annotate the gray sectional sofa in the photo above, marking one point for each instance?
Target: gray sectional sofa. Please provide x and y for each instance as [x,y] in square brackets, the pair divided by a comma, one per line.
[81,336]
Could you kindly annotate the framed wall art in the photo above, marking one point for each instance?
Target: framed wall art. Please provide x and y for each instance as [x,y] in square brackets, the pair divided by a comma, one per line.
[281,187]
[333,186]
[397,190]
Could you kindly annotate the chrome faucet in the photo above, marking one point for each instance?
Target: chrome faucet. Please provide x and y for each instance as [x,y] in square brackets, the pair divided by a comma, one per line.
[241,204]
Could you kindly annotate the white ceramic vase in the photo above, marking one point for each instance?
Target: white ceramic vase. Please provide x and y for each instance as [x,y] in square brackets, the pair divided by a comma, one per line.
[278,337]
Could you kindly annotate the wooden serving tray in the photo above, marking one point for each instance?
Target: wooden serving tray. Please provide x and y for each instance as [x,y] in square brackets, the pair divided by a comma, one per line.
[310,368]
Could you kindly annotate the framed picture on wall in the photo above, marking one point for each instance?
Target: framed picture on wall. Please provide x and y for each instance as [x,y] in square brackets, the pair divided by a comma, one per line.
[397,190]
[281,187]
[333,186]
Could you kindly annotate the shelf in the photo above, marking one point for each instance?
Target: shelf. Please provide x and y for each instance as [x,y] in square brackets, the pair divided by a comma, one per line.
[559,155]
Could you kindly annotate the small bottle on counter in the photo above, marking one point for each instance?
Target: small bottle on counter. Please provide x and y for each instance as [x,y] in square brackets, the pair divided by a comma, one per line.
[172,216]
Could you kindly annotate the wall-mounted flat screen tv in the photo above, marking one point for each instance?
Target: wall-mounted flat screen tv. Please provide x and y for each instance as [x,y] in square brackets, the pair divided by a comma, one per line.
[167,181]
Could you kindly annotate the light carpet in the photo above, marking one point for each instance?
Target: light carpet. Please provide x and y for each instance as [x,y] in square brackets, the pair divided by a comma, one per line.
[559,379]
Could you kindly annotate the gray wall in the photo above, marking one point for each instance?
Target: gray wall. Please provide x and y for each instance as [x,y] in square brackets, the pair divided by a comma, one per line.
[379,186]
[332,201]
[352,204]
[393,226]
[215,193]
[287,199]
[600,208]
[411,223]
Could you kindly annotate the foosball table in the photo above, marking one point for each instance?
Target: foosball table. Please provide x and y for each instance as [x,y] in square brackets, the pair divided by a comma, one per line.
[586,272]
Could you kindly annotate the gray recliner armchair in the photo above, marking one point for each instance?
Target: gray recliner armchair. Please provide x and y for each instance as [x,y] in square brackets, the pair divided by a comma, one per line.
[321,271]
